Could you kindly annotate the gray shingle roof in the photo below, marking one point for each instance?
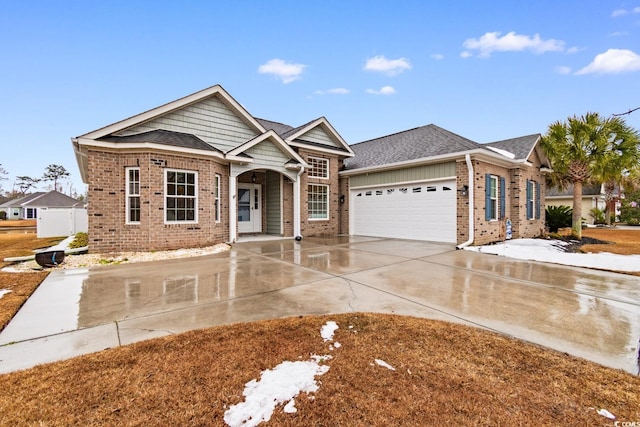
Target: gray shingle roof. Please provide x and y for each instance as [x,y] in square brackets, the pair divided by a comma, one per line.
[54,199]
[279,128]
[520,147]
[163,137]
[412,144]
[16,203]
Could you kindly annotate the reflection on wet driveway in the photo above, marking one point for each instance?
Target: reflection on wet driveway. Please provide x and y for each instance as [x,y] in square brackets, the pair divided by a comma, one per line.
[591,314]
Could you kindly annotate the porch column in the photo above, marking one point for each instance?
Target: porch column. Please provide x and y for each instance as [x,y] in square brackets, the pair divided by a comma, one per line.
[296,205]
[233,213]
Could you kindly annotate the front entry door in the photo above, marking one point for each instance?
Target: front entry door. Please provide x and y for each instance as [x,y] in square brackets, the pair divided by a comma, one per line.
[249,208]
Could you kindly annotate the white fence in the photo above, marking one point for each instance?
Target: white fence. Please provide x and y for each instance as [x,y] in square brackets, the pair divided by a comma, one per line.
[54,222]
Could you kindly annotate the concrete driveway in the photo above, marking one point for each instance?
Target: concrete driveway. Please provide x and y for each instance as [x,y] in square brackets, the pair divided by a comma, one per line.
[591,314]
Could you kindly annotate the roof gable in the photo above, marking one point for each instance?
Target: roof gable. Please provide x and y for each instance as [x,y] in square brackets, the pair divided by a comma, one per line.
[318,135]
[522,147]
[247,148]
[199,110]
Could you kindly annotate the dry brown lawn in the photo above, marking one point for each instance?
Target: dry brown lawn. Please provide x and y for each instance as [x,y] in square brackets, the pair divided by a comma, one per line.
[623,242]
[445,374]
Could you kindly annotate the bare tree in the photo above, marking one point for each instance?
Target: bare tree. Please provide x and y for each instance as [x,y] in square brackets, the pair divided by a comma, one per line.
[3,177]
[54,173]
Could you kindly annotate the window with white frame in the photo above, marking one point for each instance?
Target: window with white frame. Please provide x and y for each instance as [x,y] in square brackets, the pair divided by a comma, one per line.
[493,197]
[318,201]
[319,168]
[31,213]
[533,200]
[216,201]
[133,195]
[181,201]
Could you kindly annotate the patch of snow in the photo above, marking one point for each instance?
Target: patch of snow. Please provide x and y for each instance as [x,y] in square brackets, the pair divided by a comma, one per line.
[505,153]
[606,414]
[552,251]
[384,364]
[328,330]
[276,386]
[4,291]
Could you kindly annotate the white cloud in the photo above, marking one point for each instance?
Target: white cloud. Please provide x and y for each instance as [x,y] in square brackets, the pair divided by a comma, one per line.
[390,67]
[333,91]
[619,34]
[285,71]
[613,61]
[437,56]
[563,69]
[384,90]
[574,49]
[618,12]
[466,54]
[511,42]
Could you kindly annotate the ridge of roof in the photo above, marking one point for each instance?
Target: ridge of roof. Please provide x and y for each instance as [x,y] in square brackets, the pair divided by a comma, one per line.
[277,127]
[520,146]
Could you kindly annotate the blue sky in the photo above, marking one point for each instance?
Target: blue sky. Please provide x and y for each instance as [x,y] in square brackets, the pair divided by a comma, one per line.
[485,70]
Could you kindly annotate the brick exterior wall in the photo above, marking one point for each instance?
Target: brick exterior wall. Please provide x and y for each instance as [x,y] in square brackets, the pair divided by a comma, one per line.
[344,207]
[108,231]
[515,207]
[330,226]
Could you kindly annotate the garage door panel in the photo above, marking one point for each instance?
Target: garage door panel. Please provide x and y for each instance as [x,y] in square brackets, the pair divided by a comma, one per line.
[406,212]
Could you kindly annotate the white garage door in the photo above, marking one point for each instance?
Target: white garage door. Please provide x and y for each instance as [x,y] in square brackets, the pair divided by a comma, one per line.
[418,211]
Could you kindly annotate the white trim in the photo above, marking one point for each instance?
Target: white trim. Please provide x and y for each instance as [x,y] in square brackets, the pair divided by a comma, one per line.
[496,210]
[217,214]
[233,210]
[327,149]
[320,159]
[328,192]
[82,142]
[482,154]
[195,197]
[329,127]
[216,90]
[127,195]
[270,134]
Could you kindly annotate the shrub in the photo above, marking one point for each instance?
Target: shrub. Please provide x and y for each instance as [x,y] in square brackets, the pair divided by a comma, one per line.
[598,216]
[557,217]
[81,240]
[630,209]
[3,215]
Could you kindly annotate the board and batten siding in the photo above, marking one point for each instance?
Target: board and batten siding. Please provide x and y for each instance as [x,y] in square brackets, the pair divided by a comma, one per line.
[319,136]
[210,120]
[273,203]
[412,174]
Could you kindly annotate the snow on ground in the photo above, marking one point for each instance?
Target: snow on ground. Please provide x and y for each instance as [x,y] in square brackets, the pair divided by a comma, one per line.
[552,251]
[384,364]
[279,385]
[4,291]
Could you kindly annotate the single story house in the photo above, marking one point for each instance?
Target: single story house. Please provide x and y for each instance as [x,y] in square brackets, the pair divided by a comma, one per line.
[27,207]
[202,170]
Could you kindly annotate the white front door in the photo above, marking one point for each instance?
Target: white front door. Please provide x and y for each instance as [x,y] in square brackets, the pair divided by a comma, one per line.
[249,208]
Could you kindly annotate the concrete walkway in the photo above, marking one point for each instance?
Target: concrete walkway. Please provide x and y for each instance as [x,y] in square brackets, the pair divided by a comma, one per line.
[591,314]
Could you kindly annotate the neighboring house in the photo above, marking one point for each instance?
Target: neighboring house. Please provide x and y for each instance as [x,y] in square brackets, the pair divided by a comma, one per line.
[592,197]
[19,209]
[201,170]
[431,184]
[32,205]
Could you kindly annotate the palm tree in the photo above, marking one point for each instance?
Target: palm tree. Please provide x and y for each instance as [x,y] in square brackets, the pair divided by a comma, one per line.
[580,147]
[620,162]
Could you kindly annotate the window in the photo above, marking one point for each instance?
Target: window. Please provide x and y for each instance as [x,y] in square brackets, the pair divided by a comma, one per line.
[319,167]
[318,201]
[495,197]
[417,190]
[492,197]
[533,200]
[133,195]
[31,213]
[431,189]
[378,192]
[180,196]
[216,198]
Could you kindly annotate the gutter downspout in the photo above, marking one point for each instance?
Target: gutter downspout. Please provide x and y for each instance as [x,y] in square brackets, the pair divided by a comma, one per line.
[296,206]
[467,158]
